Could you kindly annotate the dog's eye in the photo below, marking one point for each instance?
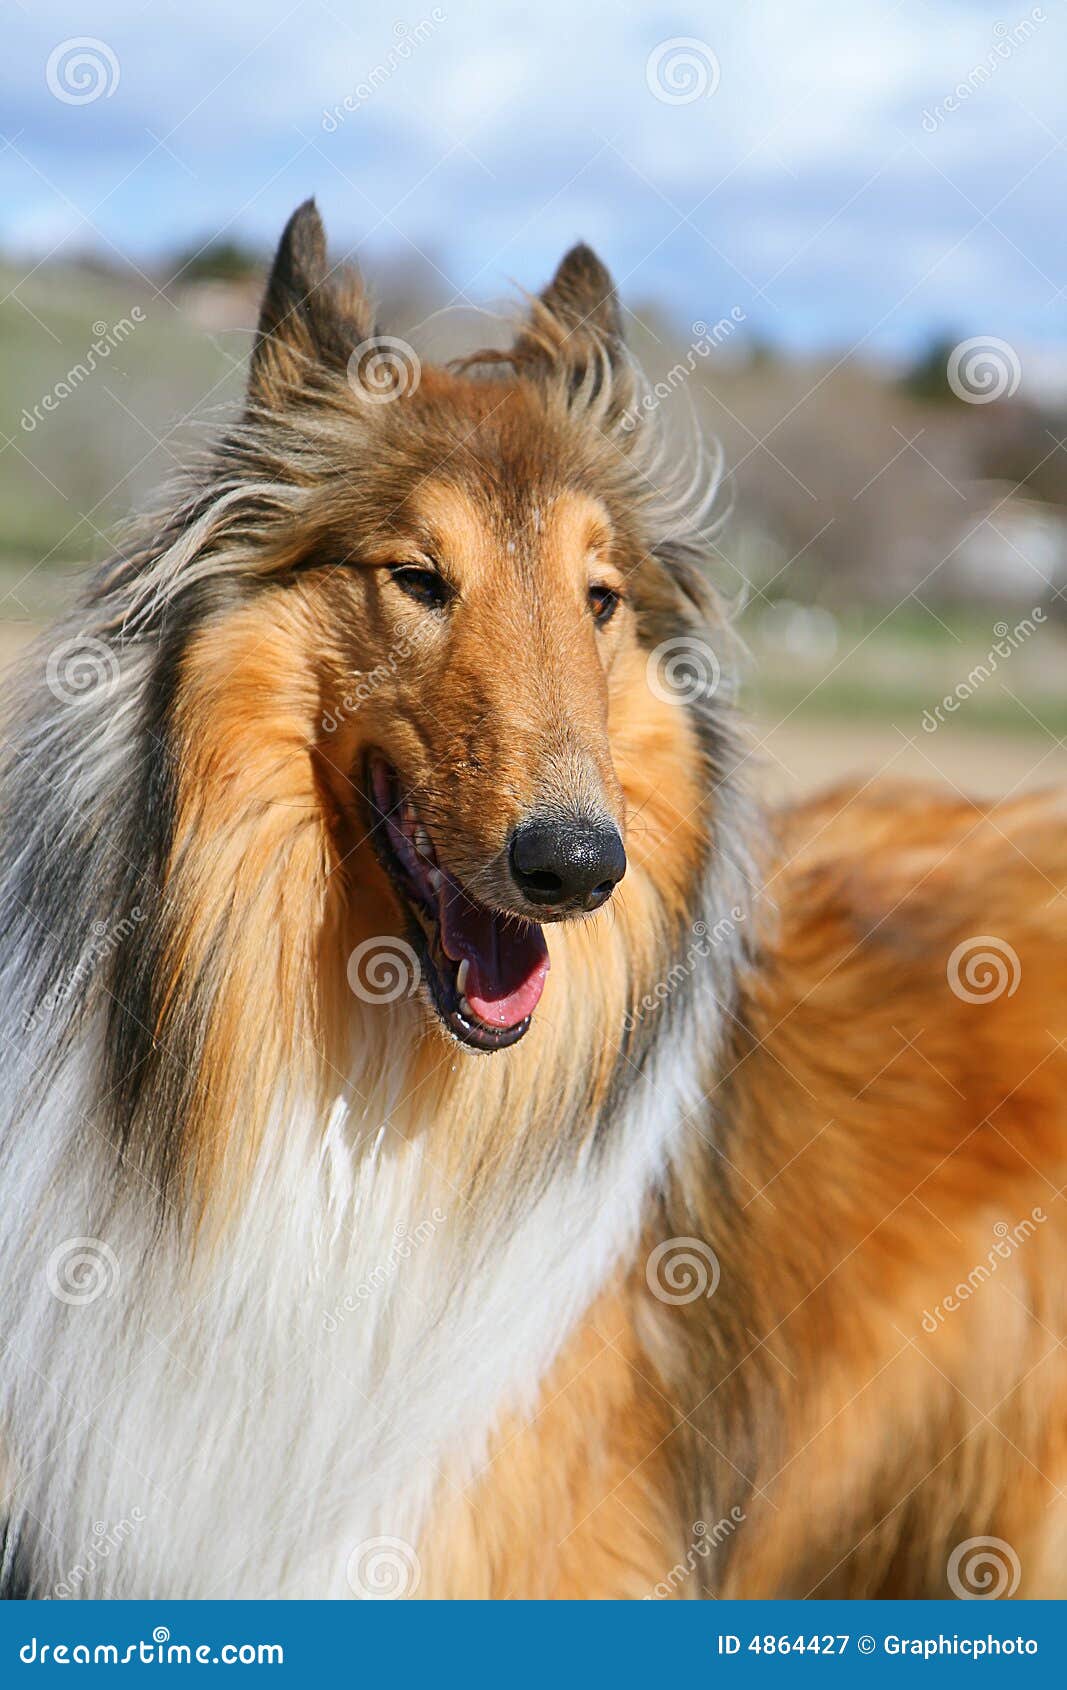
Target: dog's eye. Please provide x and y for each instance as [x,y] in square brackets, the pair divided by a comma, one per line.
[423,585]
[603,602]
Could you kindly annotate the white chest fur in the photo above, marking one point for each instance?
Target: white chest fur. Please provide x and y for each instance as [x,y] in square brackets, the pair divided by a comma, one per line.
[241,1431]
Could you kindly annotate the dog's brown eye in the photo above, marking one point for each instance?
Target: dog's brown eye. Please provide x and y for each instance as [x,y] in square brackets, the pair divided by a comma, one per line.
[604,602]
[423,585]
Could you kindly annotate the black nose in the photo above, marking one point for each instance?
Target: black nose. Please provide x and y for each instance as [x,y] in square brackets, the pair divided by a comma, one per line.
[573,864]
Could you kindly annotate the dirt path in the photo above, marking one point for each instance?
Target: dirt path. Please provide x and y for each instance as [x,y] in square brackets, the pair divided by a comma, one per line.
[800,757]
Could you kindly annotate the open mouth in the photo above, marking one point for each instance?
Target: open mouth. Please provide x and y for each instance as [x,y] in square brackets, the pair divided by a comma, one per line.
[485,969]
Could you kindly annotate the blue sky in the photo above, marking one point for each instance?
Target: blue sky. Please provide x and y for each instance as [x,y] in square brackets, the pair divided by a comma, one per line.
[803,185]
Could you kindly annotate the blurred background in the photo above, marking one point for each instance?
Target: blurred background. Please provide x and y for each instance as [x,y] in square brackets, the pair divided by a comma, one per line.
[838,232]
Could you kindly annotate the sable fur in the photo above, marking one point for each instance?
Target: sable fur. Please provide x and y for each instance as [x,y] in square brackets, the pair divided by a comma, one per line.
[190,1081]
[856,1177]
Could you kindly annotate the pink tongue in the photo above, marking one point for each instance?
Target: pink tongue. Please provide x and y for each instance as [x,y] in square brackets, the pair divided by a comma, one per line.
[508,962]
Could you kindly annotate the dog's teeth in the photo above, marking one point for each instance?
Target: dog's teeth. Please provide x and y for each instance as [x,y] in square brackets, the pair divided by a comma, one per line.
[466,1010]
[461,976]
[422,841]
[436,879]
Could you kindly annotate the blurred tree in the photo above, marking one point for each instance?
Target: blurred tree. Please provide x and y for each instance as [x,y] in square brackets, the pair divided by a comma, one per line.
[927,379]
[1026,450]
[220,261]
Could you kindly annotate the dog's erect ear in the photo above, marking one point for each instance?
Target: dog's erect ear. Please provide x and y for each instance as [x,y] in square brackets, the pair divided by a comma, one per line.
[581,296]
[574,329]
[311,315]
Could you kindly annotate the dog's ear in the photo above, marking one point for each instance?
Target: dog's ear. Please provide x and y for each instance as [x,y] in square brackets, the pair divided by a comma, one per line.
[581,296]
[311,316]
[574,329]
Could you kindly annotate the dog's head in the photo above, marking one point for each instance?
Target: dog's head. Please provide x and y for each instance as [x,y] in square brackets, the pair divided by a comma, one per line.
[429,675]
[499,661]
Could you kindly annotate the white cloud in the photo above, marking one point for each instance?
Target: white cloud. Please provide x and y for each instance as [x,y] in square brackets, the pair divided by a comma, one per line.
[811,153]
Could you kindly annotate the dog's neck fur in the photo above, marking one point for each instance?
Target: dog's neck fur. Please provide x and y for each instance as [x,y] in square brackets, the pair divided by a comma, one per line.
[370,1314]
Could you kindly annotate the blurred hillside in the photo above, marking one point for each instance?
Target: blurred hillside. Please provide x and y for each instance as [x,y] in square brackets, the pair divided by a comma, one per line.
[877,526]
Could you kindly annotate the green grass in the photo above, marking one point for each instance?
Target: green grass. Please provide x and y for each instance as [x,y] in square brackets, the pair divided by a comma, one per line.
[990,710]
[893,669]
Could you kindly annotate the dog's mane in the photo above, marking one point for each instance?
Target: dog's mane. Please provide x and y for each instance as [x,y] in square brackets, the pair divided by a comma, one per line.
[90,782]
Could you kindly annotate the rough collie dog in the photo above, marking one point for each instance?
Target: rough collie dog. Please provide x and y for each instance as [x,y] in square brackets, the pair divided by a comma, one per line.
[449,1145]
